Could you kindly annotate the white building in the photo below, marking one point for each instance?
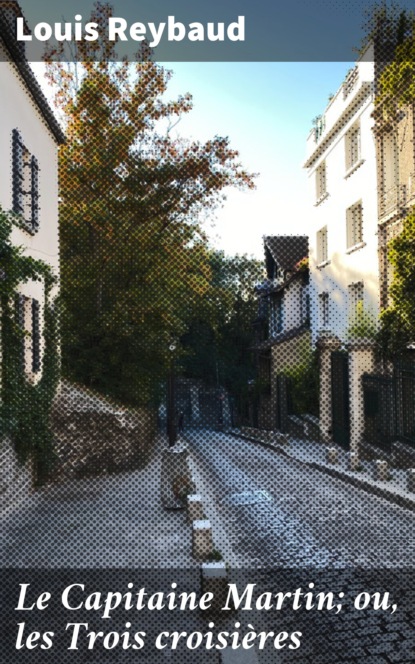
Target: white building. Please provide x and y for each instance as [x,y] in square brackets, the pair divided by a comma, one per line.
[344,284]
[341,164]
[29,140]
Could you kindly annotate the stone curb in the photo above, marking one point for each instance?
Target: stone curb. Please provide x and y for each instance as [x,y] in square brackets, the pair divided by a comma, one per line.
[359,482]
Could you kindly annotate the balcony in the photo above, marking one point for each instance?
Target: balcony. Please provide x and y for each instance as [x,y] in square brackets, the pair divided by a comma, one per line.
[392,200]
[358,85]
[350,82]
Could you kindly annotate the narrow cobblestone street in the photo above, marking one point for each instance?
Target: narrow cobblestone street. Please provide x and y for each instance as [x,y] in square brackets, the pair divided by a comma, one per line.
[284,513]
[297,524]
[278,523]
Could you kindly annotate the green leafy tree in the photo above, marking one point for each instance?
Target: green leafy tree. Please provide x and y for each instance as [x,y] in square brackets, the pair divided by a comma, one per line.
[25,407]
[135,262]
[220,336]
[398,320]
[362,324]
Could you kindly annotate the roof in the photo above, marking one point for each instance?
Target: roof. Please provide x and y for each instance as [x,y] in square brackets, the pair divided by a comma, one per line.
[16,53]
[286,250]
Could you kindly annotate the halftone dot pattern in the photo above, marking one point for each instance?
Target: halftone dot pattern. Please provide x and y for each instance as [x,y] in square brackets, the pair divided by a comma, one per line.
[171,415]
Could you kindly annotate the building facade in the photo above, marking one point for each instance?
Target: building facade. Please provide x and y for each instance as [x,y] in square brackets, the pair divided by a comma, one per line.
[344,276]
[390,391]
[29,141]
[282,326]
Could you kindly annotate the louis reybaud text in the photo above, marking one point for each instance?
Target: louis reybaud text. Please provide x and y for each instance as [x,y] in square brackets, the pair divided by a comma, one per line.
[118,29]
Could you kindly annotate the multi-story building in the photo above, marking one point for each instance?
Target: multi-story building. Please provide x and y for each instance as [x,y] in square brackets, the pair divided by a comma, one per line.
[344,283]
[29,140]
[390,392]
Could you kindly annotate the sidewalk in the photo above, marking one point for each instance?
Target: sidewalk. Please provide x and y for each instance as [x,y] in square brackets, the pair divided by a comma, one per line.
[313,454]
[113,520]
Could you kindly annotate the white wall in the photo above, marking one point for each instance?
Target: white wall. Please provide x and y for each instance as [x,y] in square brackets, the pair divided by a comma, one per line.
[344,268]
[18,111]
[294,312]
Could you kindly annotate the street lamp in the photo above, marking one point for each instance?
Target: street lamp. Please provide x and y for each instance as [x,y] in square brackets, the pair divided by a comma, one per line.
[171,407]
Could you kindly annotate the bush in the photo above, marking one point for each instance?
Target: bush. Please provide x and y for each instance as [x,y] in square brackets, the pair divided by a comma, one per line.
[303,387]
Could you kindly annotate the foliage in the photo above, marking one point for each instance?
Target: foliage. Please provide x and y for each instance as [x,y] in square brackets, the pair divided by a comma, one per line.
[393,30]
[387,27]
[362,324]
[304,386]
[135,261]
[220,336]
[398,320]
[25,408]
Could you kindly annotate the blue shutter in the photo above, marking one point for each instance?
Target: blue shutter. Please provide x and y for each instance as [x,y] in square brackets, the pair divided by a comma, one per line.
[34,198]
[17,172]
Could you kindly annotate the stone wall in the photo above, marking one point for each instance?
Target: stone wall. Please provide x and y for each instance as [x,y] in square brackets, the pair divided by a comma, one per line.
[94,436]
[15,479]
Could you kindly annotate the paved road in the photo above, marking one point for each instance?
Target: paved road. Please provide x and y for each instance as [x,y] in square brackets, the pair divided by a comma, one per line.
[285,513]
[278,513]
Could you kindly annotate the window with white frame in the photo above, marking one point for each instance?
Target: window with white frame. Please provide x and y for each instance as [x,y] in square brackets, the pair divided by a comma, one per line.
[355,296]
[322,249]
[321,181]
[354,224]
[324,309]
[389,159]
[27,313]
[25,183]
[353,147]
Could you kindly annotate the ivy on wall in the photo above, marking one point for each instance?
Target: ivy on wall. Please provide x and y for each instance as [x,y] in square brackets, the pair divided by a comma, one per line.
[25,407]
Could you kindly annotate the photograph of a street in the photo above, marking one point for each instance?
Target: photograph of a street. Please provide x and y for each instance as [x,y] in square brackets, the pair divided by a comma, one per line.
[207,335]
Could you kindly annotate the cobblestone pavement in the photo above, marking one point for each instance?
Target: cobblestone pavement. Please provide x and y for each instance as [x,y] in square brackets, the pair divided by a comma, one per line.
[278,513]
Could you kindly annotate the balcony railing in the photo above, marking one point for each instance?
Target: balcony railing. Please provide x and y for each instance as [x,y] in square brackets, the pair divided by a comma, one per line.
[393,199]
[350,82]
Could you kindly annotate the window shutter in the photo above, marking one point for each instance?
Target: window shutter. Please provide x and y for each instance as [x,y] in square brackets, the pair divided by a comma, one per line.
[34,170]
[324,244]
[349,227]
[35,337]
[17,174]
[19,318]
[358,146]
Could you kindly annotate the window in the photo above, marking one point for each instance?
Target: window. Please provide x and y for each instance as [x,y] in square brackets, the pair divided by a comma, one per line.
[324,309]
[277,316]
[25,183]
[355,292]
[20,306]
[389,156]
[354,222]
[27,316]
[352,147]
[35,337]
[322,250]
[321,181]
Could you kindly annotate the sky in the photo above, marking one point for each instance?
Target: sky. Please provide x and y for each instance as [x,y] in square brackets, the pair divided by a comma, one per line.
[266,109]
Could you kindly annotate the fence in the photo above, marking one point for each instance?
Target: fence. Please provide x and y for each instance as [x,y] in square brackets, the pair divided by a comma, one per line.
[389,406]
